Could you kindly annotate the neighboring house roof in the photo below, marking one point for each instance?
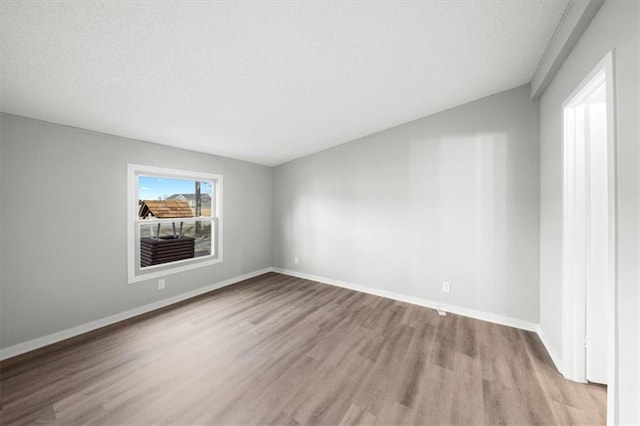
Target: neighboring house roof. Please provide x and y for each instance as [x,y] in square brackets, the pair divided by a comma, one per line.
[166,209]
[205,198]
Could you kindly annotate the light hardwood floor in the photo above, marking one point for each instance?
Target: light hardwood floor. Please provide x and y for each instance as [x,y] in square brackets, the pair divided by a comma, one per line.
[282,350]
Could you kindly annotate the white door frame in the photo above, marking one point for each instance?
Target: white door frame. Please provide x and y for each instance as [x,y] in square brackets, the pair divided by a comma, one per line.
[574,288]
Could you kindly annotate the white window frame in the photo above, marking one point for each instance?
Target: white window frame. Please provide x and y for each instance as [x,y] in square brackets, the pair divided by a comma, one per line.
[135,274]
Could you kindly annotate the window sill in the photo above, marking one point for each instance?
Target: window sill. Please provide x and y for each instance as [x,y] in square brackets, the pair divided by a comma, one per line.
[133,278]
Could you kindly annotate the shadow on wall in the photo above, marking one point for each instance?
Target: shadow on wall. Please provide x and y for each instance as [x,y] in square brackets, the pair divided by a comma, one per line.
[458,212]
[452,197]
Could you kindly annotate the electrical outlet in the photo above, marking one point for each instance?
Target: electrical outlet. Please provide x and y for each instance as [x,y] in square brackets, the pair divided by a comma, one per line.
[296,260]
[161,284]
[446,287]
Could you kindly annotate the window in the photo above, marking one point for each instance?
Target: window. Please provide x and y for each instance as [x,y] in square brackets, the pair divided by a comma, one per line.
[175,221]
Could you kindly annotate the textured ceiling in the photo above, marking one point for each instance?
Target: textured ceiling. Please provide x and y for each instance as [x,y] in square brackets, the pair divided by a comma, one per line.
[264,81]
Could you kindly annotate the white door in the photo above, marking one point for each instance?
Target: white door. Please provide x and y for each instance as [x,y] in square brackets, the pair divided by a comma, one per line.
[597,235]
[588,225]
[589,232]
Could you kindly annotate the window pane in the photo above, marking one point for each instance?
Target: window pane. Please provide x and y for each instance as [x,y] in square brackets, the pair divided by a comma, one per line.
[171,242]
[172,198]
[164,197]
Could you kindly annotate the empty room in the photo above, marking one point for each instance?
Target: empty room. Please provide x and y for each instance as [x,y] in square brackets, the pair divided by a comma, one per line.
[359,212]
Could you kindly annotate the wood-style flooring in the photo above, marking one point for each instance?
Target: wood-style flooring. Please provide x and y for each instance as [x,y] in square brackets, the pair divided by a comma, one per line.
[282,350]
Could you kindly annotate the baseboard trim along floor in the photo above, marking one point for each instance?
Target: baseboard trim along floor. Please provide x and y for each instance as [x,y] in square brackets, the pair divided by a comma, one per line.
[458,310]
[60,336]
[41,342]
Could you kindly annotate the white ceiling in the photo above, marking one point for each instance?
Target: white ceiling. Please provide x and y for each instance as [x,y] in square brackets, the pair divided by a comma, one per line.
[265,81]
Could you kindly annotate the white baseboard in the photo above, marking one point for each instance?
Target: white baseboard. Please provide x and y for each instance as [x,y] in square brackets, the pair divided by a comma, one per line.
[24,347]
[471,313]
[21,348]
[551,350]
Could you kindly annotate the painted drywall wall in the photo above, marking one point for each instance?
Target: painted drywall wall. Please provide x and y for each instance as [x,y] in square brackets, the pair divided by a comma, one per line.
[1,230]
[615,27]
[450,197]
[64,246]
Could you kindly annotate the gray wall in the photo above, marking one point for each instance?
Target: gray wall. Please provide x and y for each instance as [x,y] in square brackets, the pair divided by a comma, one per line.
[615,27]
[450,197]
[64,243]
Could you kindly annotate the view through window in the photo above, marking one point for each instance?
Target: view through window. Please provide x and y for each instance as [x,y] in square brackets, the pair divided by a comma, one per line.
[176,219]
[179,199]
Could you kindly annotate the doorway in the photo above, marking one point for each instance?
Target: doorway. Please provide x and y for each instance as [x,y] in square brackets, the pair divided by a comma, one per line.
[589,231]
